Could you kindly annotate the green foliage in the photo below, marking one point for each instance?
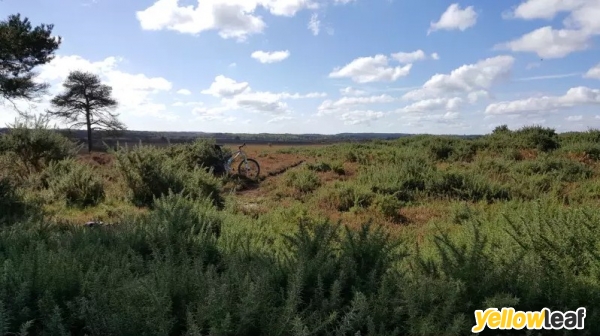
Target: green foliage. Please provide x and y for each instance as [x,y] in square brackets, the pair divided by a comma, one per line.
[466,186]
[319,166]
[345,196]
[200,153]
[35,145]
[387,205]
[12,206]
[151,173]
[302,180]
[561,168]
[77,183]
[23,48]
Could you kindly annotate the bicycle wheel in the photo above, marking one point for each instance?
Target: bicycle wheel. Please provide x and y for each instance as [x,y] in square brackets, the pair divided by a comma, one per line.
[251,171]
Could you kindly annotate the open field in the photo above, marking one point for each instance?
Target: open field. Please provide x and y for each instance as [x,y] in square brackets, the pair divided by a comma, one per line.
[509,219]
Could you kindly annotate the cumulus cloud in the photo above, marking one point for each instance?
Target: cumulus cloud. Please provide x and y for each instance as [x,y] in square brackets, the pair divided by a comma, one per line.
[435,56]
[236,19]
[593,72]
[361,117]
[455,18]
[409,57]
[347,103]
[371,69]
[270,56]
[576,96]
[580,26]
[239,95]
[465,79]
[432,105]
[136,93]
[226,87]
[350,91]
[184,92]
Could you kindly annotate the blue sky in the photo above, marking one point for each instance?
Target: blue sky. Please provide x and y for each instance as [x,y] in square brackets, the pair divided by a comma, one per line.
[331,66]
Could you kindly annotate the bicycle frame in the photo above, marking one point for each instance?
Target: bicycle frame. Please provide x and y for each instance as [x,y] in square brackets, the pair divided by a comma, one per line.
[235,155]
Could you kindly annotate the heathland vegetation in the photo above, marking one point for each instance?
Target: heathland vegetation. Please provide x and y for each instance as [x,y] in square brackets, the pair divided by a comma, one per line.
[388,237]
[400,237]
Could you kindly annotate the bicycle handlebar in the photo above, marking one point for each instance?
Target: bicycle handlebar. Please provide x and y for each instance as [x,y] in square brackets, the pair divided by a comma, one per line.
[240,147]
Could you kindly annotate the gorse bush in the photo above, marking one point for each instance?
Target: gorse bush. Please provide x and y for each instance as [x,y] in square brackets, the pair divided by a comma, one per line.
[564,169]
[345,196]
[77,183]
[170,272]
[12,206]
[466,186]
[151,173]
[303,180]
[35,144]
[200,153]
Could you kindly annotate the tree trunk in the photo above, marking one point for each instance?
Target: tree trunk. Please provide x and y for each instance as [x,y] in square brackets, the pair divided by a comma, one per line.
[89,130]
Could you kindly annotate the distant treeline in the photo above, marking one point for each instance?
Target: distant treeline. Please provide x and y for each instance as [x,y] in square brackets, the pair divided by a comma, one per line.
[149,137]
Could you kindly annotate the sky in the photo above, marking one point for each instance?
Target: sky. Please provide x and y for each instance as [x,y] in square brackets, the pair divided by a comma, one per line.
[330,66]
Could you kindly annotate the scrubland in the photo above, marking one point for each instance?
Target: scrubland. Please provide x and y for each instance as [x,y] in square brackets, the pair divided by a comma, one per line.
[401,237]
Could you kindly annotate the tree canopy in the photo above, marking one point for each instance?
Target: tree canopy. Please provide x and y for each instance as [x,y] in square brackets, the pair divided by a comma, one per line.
[86,102]
[22,48]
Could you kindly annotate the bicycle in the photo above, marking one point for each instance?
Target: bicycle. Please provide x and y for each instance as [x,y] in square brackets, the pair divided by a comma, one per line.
[244,166]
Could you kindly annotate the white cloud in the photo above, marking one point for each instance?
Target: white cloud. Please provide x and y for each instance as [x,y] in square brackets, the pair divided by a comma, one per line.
[593,72]
[476,96]
[409,57]
[580,25]
[184,92]
[270,56]
[574,118]
[226,87]
[134,92]
[371,69]
[231,18]
[349,91]
[361,117]
[465,79]
[239,95]
[435,56]
[455,18]
[576,96]
[349,103]
[435,104]
[279,118]
[314,24]
[572,74]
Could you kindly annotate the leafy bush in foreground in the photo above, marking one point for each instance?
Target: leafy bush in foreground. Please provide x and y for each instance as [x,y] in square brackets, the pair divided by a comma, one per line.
[77,183]
[151,173]
[35,144]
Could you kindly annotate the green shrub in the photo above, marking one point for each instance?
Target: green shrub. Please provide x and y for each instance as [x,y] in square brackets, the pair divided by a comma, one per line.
[151,173]
[466,186]
[562,168]
[387,205]
[77,183]
[200,153]
[319,166]
[35,144]
[12,206]
[403,179]
[344,196]
[302,180]
[590,150]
